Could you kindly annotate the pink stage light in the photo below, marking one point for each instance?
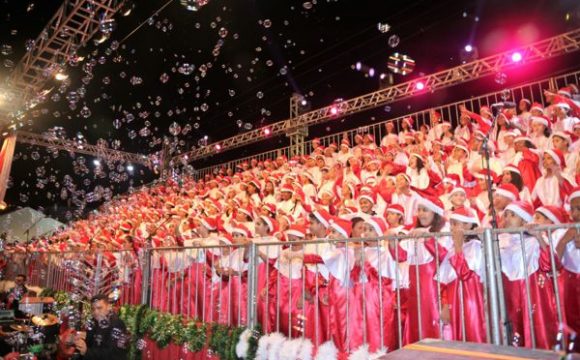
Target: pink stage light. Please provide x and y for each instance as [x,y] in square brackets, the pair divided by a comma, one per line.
[218,147]
[333,110]
[420,85]
[267,131]
[516,57]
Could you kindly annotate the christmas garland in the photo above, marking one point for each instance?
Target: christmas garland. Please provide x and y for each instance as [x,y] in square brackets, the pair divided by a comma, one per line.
[165,328]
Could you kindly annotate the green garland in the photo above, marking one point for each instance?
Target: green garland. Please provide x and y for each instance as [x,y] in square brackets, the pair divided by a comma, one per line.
[164,328]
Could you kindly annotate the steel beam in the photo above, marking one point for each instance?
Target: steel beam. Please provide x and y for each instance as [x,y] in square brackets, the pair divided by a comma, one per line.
[541,50]
[52,142]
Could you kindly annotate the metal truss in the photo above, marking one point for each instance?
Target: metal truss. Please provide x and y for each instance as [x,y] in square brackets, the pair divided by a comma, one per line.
[72,26]
[100,152]
[542,50]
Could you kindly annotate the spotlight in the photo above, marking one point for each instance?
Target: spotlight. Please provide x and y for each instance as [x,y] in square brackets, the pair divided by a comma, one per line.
[419,85]
[267,132]
[97,162]
[130,168]
[127,8]
[516,57]
[218,147]
[60,76]
[303,102]
[468,48]
[333,110]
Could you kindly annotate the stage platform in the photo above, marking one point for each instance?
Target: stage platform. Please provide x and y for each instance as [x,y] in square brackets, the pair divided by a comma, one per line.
[431,349]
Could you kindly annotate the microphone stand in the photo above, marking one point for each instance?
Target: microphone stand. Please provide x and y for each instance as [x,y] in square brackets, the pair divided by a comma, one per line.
[494,225]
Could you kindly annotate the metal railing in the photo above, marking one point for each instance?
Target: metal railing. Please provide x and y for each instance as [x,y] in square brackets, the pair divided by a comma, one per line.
[450,112]
[384,292]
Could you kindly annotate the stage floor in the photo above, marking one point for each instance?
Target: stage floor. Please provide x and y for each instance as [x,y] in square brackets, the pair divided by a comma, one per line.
[431,349]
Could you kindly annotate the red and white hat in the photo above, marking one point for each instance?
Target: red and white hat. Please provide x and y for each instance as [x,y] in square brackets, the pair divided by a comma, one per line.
[523,209]
[209,223]
[369,195]
[575,194]
[241,229]
[378,224]
[563,105]
[461,144]
[409,120]
[537,106]
[323,217]
[457,189]
[287,188]
[272,223]
[433,204]
[344,142]
[558,157]
[452,179]
[397,209]
[563,135]
[297,230]
[225,238]
[509,191]
[126,226]
[541,120]
[464,215]
[247,210]
[556,214]
[512,168]
[343,226]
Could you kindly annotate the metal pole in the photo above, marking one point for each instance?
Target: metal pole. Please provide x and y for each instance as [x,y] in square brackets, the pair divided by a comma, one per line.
[252,286]
[492,287]
[146,278]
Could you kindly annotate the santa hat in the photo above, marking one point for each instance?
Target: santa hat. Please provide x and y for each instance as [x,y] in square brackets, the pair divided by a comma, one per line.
[457,189]
[563,135]
[247,210]
[297,230]
[509,191]
[558,157]
[433,204]
[575,194]
[378,224]
[271,223]
[461,144]
[345,142]
[563,105]
[537,106]
[556,214]
[323,217]
[344,227]
[409,120]
[512,168]
[225,238]
[418,156]
[527,101]
[523,209]
[209,223]
[369,195]
[370,137]
[287,188]
[126,226]
[453,179]
[241,229]
[541,120]
[256,183]
[271,208]
[397,209]
[464,215]
[565,91]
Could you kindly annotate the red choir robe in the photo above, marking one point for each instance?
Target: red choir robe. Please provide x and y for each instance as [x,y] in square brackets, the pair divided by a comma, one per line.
[528,164]
[423,286]
[293,308]
[463,275]
[542,294]
[357,294]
